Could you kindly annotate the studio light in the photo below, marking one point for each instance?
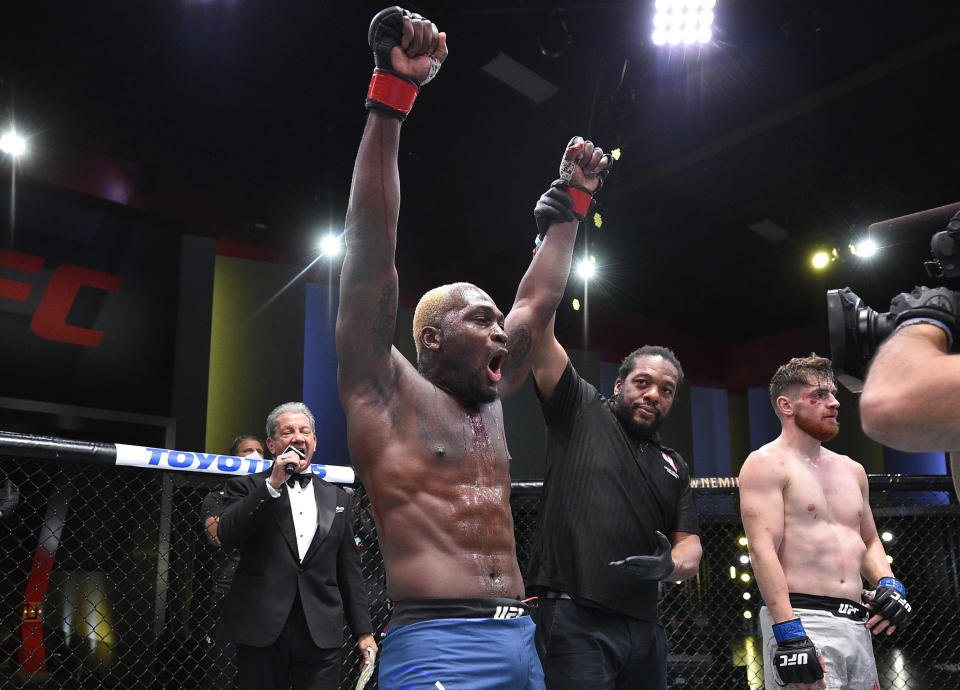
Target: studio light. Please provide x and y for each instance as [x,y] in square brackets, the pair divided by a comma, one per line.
[864,249]
[330,245]
[587,268]
[683,22]
[13,144]
[820,260]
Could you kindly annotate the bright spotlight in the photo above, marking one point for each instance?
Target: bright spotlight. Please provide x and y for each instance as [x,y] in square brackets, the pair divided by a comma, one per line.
[745,577]
[615,154]
[865,249]
[742,541]
[889,559]
[683,22]
[744,559]
[330,245]
[747,596]
[575,304]
[733,573]
[597,219]
[747,614]
[886,536]
[587,268]
[13,144]
[820,260]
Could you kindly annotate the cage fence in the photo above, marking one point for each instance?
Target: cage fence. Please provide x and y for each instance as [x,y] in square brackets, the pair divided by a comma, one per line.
[109,581]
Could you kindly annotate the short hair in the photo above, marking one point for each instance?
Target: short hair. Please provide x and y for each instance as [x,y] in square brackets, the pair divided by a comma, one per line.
[240,439]
[630,361]
[798,372]
[284,409]
[433,306]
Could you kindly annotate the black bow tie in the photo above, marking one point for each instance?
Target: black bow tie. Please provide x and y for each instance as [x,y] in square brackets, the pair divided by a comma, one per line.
[304,479]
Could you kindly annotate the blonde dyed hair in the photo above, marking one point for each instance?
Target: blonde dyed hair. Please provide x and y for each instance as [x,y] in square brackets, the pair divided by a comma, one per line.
[433,305]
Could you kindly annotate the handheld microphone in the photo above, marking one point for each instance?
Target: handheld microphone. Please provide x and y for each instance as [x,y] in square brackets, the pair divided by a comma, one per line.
[290,468]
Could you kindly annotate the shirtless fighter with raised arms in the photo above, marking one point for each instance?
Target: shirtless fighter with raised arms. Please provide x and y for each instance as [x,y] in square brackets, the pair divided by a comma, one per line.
[428,442]
[806,512]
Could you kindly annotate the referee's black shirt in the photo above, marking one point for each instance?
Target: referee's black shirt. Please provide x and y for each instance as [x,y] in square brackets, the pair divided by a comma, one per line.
[605,493]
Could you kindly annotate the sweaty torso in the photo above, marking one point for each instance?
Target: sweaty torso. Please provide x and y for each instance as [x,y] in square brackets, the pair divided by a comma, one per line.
[822,548]
[438,476]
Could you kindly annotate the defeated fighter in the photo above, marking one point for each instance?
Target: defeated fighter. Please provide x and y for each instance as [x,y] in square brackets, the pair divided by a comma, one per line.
[806,512]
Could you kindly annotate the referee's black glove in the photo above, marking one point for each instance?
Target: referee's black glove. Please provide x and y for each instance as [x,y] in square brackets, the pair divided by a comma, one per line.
[654,567]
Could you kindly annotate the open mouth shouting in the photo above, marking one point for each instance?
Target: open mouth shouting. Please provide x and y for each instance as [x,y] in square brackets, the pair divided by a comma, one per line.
[494,364]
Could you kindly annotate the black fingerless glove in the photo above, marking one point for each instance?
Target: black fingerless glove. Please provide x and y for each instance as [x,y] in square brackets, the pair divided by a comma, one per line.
[796,659]
[890,602]
[390,92]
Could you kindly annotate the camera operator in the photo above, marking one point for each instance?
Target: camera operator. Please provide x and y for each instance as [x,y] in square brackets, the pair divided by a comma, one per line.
[911,396]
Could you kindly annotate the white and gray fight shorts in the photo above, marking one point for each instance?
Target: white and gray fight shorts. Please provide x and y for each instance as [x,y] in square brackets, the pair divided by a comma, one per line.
[836,627]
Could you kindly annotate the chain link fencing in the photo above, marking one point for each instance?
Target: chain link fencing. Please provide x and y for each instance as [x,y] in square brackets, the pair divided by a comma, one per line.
[108,581]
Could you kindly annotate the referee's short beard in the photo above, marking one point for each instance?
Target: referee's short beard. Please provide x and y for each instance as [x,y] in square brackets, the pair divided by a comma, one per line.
[636,429]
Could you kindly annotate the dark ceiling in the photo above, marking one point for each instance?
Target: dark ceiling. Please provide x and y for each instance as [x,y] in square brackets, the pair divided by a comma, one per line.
[241,119]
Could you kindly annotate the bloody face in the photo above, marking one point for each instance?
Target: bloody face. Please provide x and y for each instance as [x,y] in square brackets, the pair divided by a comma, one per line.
[817,408]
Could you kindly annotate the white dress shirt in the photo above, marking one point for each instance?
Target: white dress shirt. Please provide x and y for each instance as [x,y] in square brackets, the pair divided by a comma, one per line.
[303,508]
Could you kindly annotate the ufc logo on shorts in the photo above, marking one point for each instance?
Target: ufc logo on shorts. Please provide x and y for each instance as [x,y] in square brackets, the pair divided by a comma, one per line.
[508,612]
[845,609]
[795,659]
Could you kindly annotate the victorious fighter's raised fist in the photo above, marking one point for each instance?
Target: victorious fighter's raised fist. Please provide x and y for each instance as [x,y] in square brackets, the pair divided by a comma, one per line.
[408,51]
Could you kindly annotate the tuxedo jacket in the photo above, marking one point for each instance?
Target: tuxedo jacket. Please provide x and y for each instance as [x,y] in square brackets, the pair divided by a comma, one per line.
[270,573]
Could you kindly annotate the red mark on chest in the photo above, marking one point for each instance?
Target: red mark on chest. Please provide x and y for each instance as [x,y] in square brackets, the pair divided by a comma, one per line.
[811,507]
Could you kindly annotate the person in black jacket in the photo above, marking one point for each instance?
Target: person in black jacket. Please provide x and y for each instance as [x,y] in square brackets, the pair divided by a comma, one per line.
[299,571]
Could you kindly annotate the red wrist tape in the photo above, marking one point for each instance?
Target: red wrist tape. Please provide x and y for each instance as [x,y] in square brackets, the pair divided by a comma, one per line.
[392,91]
[581,201]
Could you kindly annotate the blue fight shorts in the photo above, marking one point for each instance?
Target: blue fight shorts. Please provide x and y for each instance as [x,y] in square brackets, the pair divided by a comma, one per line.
[485,644]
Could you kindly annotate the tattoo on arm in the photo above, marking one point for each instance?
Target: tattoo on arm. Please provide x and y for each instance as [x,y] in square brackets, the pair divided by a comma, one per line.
[518,343]
[385,322]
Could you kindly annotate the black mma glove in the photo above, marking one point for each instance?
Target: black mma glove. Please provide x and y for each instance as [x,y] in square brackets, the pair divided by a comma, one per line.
[653,567]
[554,206]
[582,197]
[932,305]
[796,659]
[890,602]
[390,91]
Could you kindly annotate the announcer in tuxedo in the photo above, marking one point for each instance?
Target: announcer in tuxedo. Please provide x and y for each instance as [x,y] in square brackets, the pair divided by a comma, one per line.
[299,571]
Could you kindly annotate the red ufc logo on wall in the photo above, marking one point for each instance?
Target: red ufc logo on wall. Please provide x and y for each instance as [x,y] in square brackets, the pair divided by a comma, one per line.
[50,319]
